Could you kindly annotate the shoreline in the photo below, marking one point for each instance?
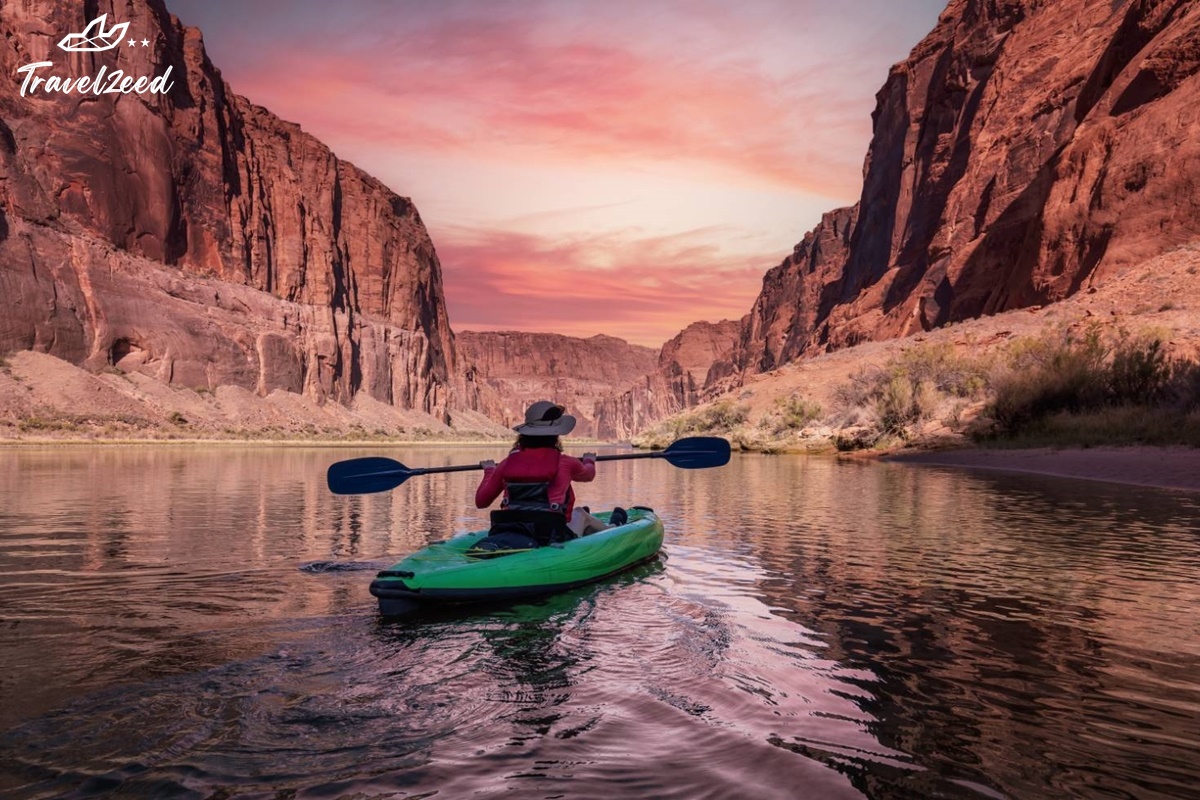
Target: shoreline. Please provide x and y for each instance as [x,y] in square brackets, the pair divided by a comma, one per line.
[1176,467]
[1173,467]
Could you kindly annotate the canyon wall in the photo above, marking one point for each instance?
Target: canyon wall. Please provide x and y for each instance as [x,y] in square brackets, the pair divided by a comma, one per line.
[688,366]
[502,373]
[1025,150]
[195,237]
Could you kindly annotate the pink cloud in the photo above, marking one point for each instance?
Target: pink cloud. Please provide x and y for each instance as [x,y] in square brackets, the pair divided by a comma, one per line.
[643,289]
[759,103]
[497,90]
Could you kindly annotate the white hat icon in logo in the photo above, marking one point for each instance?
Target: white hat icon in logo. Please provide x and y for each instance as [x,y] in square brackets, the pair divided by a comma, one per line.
[95,38]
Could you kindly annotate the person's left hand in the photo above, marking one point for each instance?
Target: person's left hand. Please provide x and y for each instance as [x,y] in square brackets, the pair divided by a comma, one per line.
[588,457]
[488,464]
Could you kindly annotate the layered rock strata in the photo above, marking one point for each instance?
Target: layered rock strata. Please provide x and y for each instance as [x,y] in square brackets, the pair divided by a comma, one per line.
[1025,150]
[501,373]
[695,360]
[197,238]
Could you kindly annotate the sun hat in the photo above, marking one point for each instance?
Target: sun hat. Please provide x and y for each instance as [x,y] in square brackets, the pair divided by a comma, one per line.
[546,419]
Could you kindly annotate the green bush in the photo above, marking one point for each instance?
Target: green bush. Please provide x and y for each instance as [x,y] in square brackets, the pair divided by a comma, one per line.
[792,413]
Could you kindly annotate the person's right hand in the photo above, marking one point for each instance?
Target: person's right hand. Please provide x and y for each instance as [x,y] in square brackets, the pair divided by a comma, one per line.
[488,464]
[588,457]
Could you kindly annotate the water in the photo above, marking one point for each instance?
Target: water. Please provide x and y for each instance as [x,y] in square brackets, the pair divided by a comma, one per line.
[195,622]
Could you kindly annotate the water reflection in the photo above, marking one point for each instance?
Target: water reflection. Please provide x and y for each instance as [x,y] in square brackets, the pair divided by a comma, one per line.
[188,620]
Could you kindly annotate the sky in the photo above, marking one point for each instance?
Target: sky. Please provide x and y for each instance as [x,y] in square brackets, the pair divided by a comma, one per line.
[584,167]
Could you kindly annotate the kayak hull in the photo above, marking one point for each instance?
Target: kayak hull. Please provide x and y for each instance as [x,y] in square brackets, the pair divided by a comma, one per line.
[443,574]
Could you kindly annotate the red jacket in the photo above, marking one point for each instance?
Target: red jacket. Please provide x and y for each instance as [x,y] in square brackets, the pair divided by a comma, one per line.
[536,465]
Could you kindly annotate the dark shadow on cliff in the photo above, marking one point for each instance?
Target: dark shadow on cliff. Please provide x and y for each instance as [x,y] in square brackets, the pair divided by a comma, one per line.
[999,274]
[926,220]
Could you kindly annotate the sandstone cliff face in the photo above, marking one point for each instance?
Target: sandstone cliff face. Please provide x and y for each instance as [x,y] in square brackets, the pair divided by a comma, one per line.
[1026,149]
[338,288]
[788,307]
[688,367]
[501,373]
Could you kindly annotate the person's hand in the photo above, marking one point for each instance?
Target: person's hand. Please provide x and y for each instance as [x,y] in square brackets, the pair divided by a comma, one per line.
[488,464]
[588,457]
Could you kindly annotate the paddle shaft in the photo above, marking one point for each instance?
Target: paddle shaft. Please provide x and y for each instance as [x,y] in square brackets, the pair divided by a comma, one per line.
[470,467]
[378,474]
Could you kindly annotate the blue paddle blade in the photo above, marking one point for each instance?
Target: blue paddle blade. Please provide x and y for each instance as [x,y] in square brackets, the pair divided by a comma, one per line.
[698,452]
[367,475]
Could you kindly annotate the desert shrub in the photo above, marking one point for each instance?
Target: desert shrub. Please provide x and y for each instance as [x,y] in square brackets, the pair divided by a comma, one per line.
[791,413]
[894,405]
[945,369]
[1078,390]
[722,416]
[1139,372]
[1183,386]
[859,389]
[910,388]
[1130,425]
[1047,375]
[43,424]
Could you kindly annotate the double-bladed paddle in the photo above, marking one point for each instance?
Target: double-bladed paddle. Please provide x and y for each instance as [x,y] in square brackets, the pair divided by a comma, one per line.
[377,474]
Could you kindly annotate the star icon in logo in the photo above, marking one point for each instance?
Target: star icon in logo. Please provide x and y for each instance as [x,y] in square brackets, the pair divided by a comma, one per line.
[132,43]
[145,42]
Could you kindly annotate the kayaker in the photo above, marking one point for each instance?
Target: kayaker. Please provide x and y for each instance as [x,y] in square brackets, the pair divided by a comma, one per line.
[536,475]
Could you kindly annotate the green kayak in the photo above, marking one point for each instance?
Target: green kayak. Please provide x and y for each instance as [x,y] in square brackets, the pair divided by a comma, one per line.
[447,573]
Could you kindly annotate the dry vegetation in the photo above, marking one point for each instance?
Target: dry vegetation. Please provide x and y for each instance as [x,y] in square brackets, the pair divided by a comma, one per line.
[1115,364]
[1063,387]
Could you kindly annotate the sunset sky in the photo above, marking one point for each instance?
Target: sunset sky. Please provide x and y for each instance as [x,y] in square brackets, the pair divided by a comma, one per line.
[588,167]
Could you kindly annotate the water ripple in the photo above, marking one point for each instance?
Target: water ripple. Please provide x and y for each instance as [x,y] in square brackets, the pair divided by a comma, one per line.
[813,629]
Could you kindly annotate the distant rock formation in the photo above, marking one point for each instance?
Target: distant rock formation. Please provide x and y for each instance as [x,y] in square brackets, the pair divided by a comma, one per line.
[1024,150]
[696,359]
[501,373]
[197,238]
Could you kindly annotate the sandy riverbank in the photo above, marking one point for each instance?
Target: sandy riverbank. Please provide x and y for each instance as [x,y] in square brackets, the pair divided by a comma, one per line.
[1163,467]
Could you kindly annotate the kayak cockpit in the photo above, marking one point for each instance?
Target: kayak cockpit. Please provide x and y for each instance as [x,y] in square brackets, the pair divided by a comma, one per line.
[448,572]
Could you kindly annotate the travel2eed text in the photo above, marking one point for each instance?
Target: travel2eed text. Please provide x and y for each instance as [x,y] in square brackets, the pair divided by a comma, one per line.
[95,38]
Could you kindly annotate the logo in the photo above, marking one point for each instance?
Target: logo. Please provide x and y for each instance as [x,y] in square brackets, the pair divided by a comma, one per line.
[95,38]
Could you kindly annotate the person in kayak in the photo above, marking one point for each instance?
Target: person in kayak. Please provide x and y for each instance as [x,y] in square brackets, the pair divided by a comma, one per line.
[535,479]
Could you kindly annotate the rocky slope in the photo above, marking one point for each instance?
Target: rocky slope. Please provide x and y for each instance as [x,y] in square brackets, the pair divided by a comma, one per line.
[1025,150]
[195,238]
[1158,299]
[501,373]
[696,359]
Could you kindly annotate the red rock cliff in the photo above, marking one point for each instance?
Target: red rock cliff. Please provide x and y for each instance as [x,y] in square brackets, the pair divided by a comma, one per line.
[688,365]
[501,373]
[1024,150]
[334,287]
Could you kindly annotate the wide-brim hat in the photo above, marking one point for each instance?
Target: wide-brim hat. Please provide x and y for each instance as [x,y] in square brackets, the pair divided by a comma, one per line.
[546,419]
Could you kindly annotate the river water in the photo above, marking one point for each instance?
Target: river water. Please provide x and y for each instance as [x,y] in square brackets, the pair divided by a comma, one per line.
[195,622]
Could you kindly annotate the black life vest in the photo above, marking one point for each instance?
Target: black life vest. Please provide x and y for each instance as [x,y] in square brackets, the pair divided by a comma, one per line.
[535,496]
